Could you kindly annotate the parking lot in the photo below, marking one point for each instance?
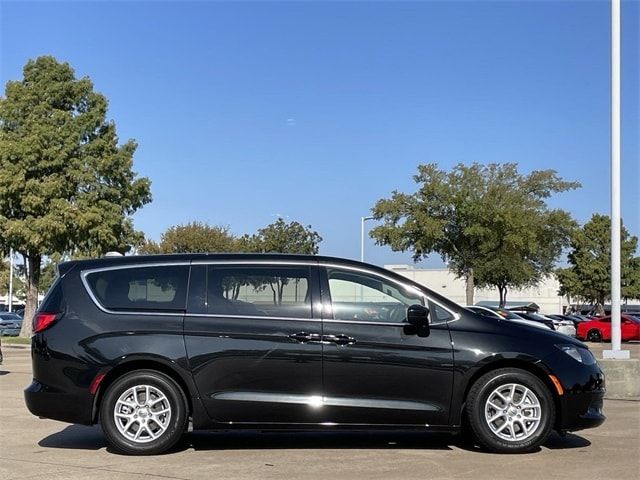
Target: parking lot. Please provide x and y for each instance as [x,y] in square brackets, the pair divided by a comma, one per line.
[31,448]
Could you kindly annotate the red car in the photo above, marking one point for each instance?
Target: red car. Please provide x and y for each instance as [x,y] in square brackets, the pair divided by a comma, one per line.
[599,329]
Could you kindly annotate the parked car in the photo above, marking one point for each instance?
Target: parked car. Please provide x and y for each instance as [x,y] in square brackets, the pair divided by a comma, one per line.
[10,324]
[504,315]
[144,344]
[599,329]
[575,320]
[534,317]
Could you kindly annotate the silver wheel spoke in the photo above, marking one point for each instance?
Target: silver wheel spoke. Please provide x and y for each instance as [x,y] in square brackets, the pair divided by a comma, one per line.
[502,397]
[502,427]
[495,417]
[524,396]
[135,418]
[513,412]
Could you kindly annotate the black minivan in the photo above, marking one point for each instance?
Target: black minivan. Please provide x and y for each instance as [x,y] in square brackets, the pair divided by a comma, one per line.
[148,345]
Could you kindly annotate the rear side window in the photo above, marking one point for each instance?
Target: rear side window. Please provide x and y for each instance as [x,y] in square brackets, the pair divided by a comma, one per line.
[258,291]
[53,301]
[162,288]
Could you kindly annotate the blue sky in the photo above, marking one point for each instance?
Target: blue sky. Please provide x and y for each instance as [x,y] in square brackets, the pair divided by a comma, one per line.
[314,110]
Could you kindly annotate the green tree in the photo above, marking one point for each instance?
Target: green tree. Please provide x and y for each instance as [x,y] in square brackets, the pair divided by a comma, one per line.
[529,244]
[588,276]
[18,283]
[283,237]
[66,185]
[193,237]
[481,219]
[49,271]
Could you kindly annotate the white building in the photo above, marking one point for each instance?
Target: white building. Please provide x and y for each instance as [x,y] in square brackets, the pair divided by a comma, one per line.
[444,282]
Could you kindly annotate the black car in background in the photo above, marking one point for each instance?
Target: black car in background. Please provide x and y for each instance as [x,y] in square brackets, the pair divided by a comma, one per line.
[537,318]
[145,345]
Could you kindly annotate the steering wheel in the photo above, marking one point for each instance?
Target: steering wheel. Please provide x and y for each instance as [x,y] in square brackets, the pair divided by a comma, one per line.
[398,313]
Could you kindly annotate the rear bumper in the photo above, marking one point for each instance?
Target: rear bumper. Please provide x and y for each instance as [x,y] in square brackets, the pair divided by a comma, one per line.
[43,401]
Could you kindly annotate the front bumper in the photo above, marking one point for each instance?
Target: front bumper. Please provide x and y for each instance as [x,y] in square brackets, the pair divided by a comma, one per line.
[581,404]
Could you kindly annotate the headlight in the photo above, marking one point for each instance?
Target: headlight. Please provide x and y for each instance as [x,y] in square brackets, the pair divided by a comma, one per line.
[581,355]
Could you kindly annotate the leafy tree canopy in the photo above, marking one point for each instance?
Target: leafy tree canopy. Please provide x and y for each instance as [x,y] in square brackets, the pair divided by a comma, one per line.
[489,222]
[198,237]
[66,184]
[283,237]
[193,237]
[588,276]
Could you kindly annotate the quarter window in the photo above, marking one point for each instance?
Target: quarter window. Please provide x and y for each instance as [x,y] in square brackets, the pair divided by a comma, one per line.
[258,291]
[141,288]
[356,296]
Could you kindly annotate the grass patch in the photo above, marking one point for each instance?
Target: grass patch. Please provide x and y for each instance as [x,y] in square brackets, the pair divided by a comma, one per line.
[16,340]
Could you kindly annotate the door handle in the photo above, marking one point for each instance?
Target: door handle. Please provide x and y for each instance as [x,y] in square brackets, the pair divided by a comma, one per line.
[340,339]
[304,337]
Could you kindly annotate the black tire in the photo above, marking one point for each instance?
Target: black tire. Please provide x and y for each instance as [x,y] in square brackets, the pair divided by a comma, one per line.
[175,426]
[477,402]
[594,336]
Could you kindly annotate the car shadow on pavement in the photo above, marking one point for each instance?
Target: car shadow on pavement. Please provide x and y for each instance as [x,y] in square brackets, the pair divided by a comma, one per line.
[4,372]
[82,437]
[78,437]
[256,440]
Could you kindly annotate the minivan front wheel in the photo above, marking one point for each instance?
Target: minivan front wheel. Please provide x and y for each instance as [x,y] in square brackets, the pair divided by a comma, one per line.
[143,413]
[510,411]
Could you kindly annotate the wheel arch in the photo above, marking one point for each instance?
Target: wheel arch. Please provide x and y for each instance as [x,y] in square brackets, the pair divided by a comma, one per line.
[131,365]
[537,369]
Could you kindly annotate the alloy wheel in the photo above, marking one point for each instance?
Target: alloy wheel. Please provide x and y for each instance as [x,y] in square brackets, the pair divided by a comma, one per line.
[513,412]
[142,413]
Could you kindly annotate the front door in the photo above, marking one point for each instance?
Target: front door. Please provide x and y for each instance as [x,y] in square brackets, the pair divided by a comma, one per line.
[253,342]
[377,370]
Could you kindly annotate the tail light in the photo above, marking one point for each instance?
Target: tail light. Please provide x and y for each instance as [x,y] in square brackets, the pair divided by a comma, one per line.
[43,320]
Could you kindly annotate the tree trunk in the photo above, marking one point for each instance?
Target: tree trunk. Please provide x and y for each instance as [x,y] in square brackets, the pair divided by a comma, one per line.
[32,263]
[502,289]
[470,286]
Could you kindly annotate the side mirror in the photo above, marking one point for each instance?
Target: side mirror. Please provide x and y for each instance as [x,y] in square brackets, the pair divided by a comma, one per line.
[418,315]
[418,321]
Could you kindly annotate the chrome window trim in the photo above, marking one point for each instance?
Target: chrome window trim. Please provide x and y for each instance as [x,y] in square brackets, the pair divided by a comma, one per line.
[410,288]
[85,273]
[253,317]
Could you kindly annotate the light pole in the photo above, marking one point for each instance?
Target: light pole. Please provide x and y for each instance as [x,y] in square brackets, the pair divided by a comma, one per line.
[362,220]
[10,306]
[615,351]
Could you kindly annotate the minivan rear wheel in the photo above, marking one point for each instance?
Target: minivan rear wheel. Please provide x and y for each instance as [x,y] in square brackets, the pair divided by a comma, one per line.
[510,411]
[143,413]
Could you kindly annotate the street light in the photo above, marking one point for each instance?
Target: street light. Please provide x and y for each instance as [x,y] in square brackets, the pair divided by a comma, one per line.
[10,306]
[616,351]
[362,220]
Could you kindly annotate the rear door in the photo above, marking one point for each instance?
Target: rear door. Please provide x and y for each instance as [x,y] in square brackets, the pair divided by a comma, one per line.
[253,341]
[377,370]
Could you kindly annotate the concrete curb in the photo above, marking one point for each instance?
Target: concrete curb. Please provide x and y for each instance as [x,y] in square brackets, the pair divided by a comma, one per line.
[19,347]
[622,378]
